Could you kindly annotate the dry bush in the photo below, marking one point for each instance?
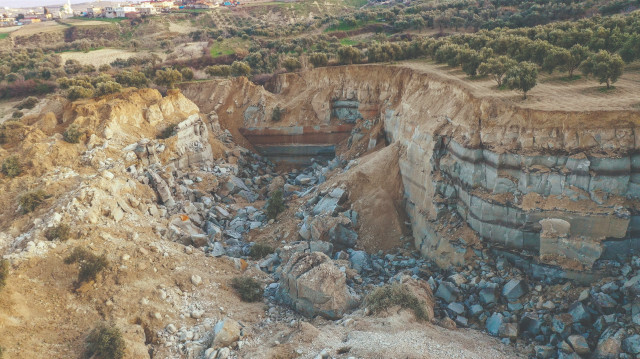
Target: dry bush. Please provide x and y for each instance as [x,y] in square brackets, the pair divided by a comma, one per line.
[390,295]
[249,289]
[105,342]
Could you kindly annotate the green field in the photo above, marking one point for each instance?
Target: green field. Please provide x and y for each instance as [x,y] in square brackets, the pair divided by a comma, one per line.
[4,35]
[348,42]
[343,26]
[228,46]
[118,19]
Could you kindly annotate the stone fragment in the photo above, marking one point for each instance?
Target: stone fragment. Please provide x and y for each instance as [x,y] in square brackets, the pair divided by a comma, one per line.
[579,344]
[494,323]
[447,291]
[225,333]
[631,345]
[457,308]
[508,330]
[579,312]
[313,285]
[514,289]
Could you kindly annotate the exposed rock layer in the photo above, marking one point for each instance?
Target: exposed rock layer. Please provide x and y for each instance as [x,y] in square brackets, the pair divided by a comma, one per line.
[501,168]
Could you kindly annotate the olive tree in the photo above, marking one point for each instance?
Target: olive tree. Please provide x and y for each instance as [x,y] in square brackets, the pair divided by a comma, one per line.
[606,67]
[168,78]
[496,67]
[522,77]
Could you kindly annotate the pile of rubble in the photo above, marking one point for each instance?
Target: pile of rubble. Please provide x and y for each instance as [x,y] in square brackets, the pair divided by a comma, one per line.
[324,274]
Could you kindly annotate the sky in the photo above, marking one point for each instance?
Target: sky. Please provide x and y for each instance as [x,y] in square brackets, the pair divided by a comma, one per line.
[32,3]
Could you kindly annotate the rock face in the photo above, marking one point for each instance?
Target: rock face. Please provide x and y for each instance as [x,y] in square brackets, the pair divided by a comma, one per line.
[500,169]
[313,285]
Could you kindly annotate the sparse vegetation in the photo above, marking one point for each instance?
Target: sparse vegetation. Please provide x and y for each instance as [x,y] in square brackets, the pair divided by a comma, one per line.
[11,166]
[249,289]
[168,78]
[4,272]
[28,103]
[390,295]
[167,132]
[78,92]
[276,115]
[59,232]
[107,88]
[105,342]
[275,204]
[90,264]
[259,251]
[72,134]
[29,201]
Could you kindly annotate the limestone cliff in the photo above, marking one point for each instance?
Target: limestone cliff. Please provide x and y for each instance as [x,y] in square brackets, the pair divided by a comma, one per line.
[500,168]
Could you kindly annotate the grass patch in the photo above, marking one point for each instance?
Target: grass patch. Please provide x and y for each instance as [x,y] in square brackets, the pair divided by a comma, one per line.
[390,295]
[344,26]
[4,272]
[228,46]
[4,35]
[103,19]
[606,89]
[570,79]
[249,289]
[348,42]
[355,3]
[105,342]
[260,250]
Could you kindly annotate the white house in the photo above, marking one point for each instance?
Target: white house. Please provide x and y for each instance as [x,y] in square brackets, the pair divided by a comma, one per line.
[120,11]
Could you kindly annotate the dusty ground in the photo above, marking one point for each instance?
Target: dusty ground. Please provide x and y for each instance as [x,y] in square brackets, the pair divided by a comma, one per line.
[40,27]
[103,56]
[398,335]
[552,92]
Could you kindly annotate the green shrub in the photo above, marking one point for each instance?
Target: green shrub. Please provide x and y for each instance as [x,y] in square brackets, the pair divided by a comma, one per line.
[105,342]
[276,116]
[90,264]
[107,88]
[4,272]
[275,204]
[77,92]
[390,295]
[168,78]
[72,134]
[31,200]
[187,74]
[11,166]
[167,132]
[17,114]
[249,289]
[28,103]
[218,70]
[260,250]
[59,232]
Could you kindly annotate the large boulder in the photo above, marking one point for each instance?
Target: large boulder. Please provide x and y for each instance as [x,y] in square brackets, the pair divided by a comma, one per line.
[225,333]
[313,285]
